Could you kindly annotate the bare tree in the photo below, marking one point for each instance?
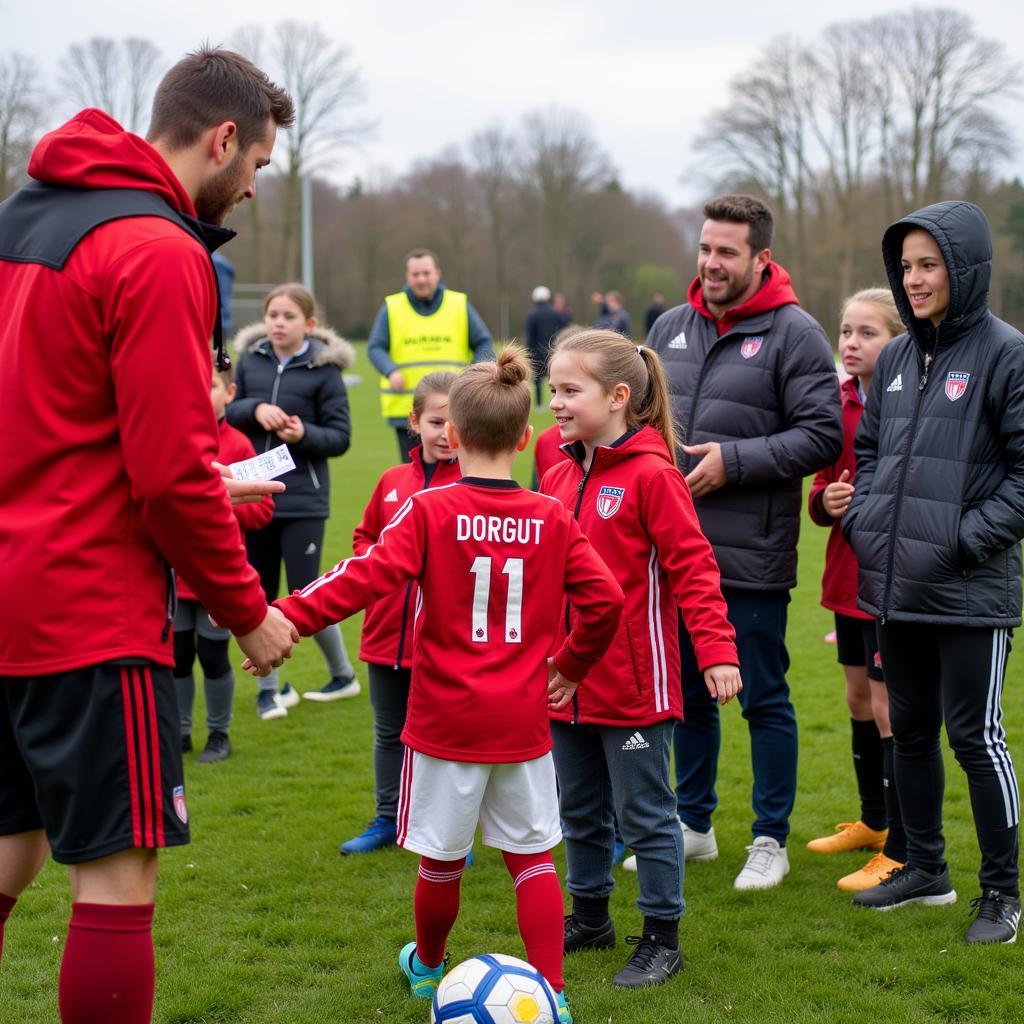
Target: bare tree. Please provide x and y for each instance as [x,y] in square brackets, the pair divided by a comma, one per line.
[21,104]
[116,75]
[564,163]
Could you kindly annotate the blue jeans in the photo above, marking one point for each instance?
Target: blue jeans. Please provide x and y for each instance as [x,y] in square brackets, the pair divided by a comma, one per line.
[622,770]
[759,618]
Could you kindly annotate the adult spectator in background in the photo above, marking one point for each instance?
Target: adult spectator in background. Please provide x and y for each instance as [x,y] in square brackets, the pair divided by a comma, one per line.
[615,316]
[755,391]
[562,309]
[653,311]
[542,323]
[936,521]
[108,480]
[225,285]
[424,327]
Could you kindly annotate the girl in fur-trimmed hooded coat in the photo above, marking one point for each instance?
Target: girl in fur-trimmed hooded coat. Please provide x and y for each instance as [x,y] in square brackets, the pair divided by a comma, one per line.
[291,391]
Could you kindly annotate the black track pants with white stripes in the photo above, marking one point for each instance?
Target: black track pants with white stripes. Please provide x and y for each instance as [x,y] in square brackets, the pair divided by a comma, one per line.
[943,673]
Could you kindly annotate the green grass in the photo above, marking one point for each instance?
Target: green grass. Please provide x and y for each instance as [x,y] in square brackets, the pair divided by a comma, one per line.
[260,920]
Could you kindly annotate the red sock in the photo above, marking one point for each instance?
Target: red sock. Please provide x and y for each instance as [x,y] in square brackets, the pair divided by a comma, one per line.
[107,971]
[539,912]
[436,906]
[6,906]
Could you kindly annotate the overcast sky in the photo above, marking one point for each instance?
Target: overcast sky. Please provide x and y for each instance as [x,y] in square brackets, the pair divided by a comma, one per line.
[644,73]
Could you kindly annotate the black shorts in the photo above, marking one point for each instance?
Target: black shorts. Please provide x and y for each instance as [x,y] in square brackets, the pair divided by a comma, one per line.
[93,756]
[857,645]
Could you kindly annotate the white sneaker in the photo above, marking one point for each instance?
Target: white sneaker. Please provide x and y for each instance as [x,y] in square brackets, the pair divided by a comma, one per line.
[287,696]
[767,865]
[696,846]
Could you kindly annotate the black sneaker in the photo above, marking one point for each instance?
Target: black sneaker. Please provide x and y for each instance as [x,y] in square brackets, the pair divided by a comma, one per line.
[908,885]
[997,918]
[186,743]
[651,963]
[584,936]
[217,748]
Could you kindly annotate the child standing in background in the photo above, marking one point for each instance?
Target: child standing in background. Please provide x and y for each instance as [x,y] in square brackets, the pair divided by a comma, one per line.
[387,639]
[193,632]
[290,390]
[612,743]
[868,322]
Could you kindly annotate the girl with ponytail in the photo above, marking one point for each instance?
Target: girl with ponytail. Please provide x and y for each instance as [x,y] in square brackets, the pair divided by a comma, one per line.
[611,744]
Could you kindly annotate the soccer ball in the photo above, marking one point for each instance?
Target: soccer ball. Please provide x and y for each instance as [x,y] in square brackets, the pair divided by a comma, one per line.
[494,989]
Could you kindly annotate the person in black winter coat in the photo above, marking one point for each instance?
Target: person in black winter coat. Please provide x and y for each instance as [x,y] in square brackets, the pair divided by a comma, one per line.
[542,323]
[936,521]
[290,390]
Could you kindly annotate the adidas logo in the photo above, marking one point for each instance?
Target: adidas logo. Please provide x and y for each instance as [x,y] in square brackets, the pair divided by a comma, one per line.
[897,383]
[392,495]
[635,742]
[679,341]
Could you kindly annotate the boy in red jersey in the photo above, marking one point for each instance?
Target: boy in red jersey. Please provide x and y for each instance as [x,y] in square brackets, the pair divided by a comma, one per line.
[493,561]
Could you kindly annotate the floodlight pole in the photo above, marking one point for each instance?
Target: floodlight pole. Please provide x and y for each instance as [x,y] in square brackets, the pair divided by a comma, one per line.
[307,231]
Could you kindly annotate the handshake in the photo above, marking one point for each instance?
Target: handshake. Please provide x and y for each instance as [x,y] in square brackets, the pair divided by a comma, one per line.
[269,644]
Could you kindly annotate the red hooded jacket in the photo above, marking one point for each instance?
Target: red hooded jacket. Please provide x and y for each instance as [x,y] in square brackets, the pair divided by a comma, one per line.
[105,376]
[776,291]
[250,515]
[388,625]
[635,508]
[839,580]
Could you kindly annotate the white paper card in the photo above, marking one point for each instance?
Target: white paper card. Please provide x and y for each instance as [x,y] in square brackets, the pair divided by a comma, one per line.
[265,466]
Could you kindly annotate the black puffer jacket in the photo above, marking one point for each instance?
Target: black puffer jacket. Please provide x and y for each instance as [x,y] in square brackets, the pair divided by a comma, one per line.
[938,513]
[310,386]
[767,390]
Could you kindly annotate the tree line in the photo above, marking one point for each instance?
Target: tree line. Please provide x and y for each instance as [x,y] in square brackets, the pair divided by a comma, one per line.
[842,133]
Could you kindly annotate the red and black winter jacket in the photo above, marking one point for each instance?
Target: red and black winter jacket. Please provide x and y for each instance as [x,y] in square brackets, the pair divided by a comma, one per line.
[251,515]
[493,562]
[634,506]
[388,624]
[105,373]
[839,580]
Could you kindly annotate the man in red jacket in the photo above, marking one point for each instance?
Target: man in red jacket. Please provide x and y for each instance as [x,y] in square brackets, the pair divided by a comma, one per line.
[111,300]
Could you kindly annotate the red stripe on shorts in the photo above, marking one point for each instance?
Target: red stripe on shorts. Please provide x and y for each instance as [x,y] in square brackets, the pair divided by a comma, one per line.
[158,803]
[404,797]
[148,838]
[133,765]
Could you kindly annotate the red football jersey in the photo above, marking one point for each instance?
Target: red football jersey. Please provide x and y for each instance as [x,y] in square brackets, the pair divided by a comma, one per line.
[493,561]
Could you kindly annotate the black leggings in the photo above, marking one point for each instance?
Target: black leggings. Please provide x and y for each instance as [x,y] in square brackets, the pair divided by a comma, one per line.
[297,542]
[213,655]
[935,673]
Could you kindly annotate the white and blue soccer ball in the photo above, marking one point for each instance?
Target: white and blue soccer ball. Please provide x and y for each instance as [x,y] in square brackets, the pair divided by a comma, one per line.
[494,989]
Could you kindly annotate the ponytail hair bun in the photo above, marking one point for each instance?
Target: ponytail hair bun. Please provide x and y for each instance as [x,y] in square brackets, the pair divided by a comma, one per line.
[513,367]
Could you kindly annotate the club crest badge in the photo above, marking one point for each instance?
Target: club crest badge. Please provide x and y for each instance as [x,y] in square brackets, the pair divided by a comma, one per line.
[751,346]
[608,501]
[179,804]
[956,384]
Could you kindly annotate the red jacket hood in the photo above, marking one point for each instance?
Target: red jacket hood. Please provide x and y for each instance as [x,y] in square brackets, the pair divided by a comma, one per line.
[93,151]
[776,291]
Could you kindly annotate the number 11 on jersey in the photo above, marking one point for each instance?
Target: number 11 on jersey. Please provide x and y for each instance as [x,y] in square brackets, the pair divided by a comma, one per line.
[481,570]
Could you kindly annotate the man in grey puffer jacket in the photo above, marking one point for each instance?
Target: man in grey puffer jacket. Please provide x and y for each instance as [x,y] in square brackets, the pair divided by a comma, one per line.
[936,522]
[754,389]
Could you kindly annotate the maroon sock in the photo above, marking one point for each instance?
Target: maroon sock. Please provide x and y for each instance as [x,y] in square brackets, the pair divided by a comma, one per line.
[539,912]
[107,971]
[436,906]
[6,906]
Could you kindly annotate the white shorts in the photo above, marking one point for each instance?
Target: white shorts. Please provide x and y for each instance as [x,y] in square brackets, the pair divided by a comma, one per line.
[441,802]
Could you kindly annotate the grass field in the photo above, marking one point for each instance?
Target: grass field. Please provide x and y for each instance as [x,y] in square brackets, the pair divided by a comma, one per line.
[260,920]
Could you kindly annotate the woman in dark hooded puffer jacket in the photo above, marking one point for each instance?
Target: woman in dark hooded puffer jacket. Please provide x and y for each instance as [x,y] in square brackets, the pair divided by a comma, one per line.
[936,522]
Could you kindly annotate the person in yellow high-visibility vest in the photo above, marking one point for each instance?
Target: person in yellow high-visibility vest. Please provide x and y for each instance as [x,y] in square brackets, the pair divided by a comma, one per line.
[423,328]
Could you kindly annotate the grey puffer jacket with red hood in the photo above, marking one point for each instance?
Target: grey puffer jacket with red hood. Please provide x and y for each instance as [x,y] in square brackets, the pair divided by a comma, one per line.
[938,513]
[762,382]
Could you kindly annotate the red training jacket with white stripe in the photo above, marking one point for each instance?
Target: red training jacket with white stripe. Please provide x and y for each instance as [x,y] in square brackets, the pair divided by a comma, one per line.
[493,561]
[387,627]
[635,508]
